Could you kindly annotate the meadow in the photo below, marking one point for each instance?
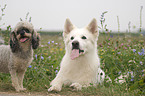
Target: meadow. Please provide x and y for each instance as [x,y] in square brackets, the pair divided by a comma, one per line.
[119,53]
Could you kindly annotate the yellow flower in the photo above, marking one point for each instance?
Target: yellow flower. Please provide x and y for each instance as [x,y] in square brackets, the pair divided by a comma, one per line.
[60,49]
[52,49]
[45,53]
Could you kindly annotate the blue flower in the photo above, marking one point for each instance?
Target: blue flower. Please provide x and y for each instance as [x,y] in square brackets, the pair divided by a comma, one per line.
[134,50]
[131,79]
[111,36]
[49,42]
[119,53]
[36,56]
[130,72]
[56,71]
[140,53]
[142,50]
[119,72]
[141,62]
[52,41]
[42,57]
[56,43]
[49,57]
[132,76]
[30,66]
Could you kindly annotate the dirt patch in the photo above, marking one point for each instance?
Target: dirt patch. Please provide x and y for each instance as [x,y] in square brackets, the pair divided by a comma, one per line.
[28,94]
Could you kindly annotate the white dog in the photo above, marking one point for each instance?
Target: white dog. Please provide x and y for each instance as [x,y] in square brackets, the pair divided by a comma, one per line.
[80,64]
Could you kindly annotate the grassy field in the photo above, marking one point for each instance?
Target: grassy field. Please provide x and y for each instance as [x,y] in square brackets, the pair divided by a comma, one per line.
[119,54]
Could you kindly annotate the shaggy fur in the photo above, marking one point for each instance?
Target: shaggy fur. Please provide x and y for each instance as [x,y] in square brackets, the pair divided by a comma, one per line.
[16,57]
[78,69]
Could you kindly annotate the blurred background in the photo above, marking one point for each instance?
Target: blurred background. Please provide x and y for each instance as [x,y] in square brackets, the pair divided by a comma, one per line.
[50,15]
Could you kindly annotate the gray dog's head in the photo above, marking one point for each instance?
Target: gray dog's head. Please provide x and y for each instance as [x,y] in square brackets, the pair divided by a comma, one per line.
[24,35]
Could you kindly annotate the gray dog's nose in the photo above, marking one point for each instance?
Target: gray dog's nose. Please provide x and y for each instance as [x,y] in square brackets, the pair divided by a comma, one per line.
[22,32]
[75,44]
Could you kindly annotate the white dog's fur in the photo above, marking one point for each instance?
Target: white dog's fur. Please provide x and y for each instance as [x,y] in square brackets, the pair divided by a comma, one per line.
[79,70]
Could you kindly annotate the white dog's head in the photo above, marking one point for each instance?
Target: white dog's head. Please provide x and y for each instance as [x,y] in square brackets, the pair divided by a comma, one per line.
[79,42]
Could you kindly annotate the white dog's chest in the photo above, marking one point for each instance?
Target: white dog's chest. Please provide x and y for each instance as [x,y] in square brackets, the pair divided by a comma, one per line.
[79,72]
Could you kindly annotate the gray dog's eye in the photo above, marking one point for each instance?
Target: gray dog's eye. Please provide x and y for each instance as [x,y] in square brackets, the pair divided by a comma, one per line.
[72,38]
[27,31]
[18,32]
[84,37]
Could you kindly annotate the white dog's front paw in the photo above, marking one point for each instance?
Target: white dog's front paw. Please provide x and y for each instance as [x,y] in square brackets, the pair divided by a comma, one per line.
[54,88]
[76,86]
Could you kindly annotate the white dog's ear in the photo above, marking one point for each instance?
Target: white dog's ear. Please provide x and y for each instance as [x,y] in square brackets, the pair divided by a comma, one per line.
[68,27]
[93,27]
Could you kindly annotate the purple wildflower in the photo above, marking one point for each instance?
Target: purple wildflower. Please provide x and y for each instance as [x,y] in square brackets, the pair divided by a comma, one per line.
[42,57]
[140,53]
[30,66]
[132,76]
[49,42]
[49,57]
[111,36]
[141,63]
[134,50]
[131,79]
[52,41]
[36,56]
[56,71]
[125,48]
[131,72]
[119,72]
[142,50]
[119,53]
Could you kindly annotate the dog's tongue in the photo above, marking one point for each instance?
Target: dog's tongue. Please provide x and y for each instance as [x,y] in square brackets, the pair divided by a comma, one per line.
[23,39]
[74,54]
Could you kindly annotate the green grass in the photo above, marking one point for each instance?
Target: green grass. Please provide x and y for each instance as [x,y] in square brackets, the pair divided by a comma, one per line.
[117,57]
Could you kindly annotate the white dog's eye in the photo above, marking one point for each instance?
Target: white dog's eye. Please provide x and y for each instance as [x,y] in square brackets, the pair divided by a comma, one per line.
[84,37]
[72,38]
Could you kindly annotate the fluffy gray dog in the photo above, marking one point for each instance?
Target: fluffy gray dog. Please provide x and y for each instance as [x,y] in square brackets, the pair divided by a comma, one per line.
[16,57]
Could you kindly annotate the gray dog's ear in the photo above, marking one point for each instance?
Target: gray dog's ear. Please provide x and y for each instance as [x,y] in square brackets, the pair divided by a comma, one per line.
[35,40]
[14,45]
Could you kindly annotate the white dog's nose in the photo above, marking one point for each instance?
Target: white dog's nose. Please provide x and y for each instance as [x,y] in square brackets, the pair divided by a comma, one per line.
[75,45]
